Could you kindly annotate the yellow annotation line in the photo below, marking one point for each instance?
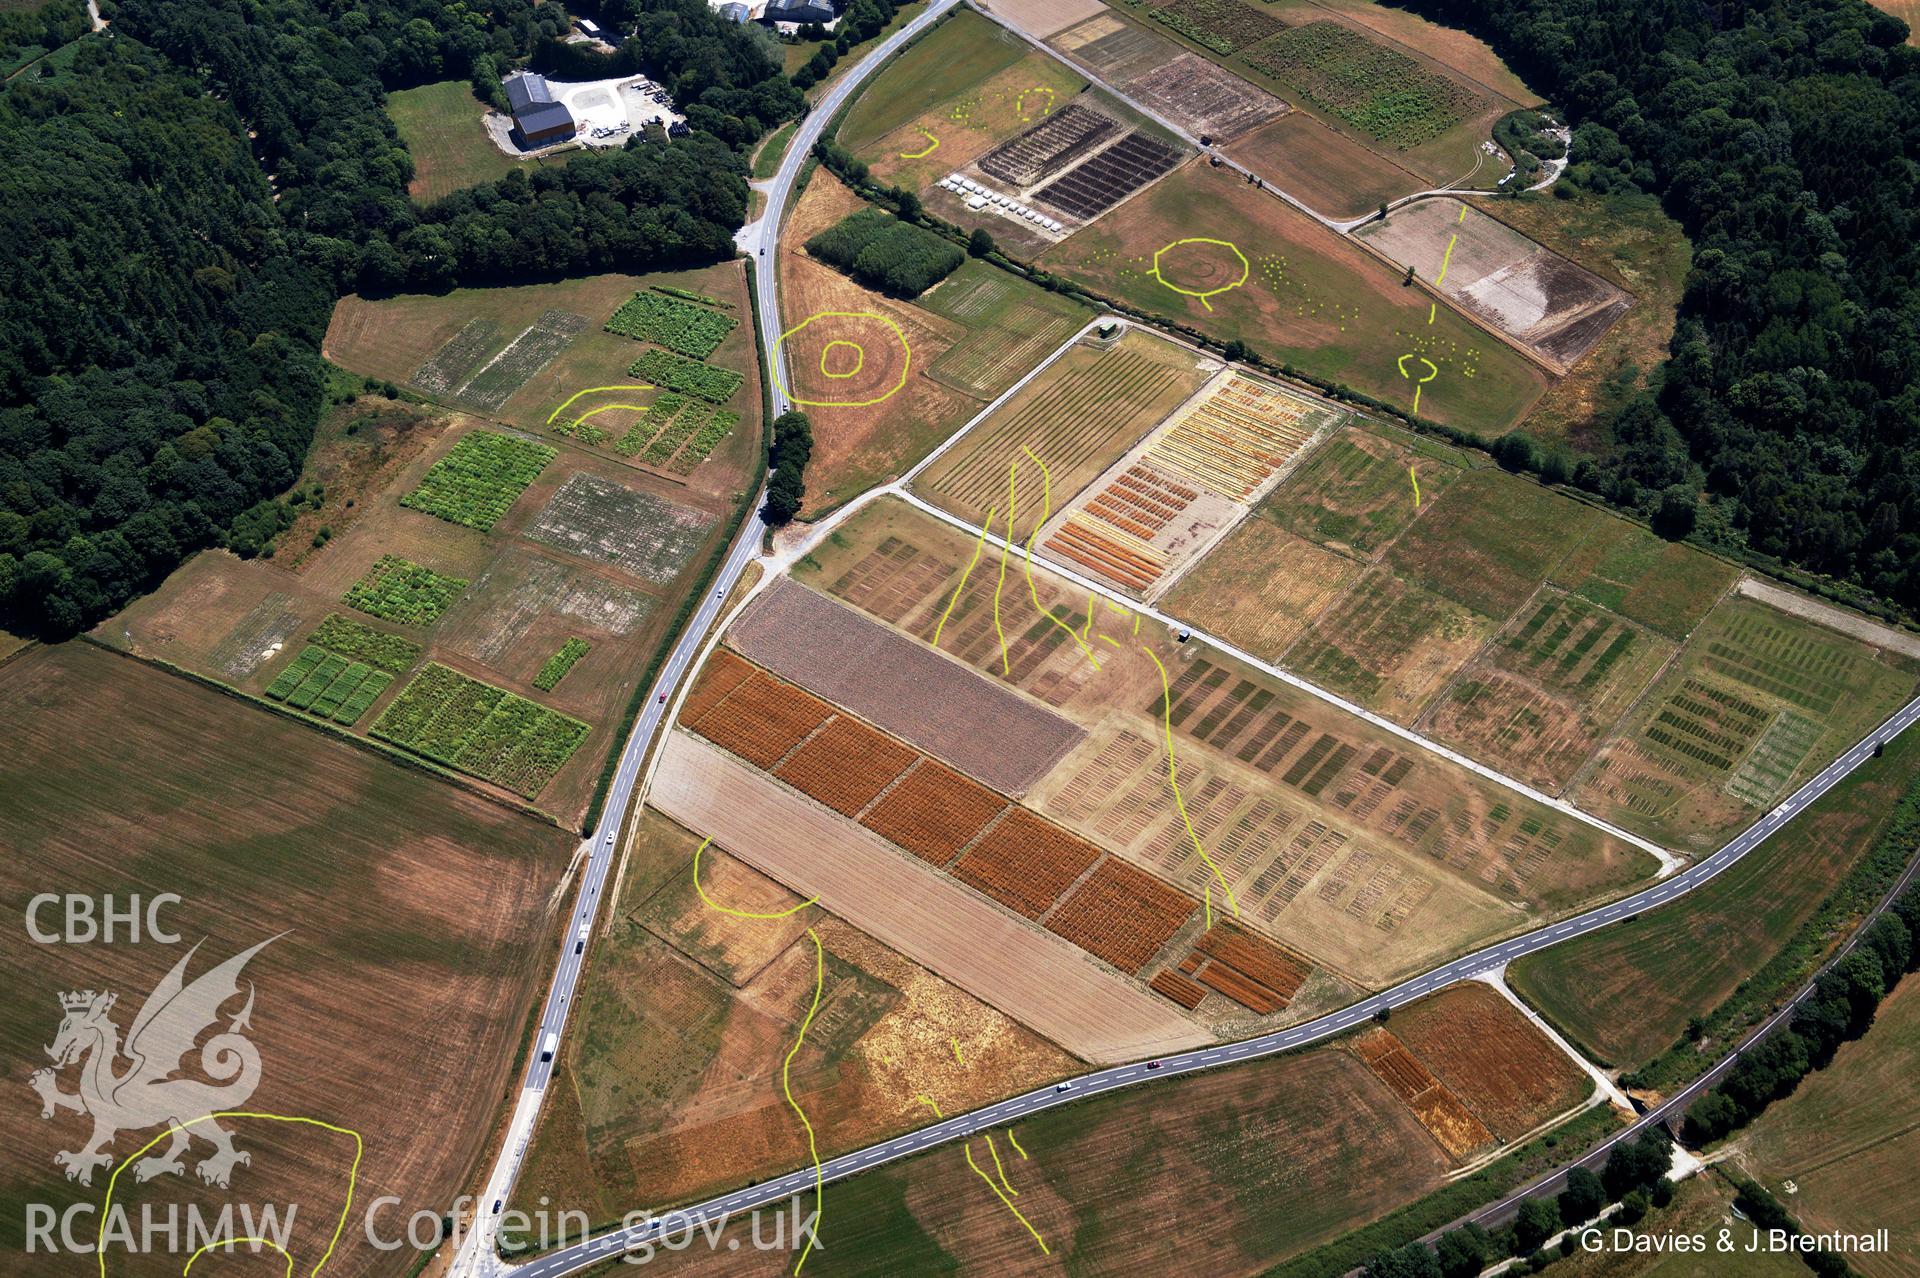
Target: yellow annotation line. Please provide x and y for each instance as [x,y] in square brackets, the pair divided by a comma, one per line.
[727,909]
[1033,591]
[1173,780]
[929,1102]
[607,408]
[1447,259]
[1415,476]
[998,1169]
[956,1049]
[933,144]
[353,1177]
[1014,1141]
[235,1242]
[1006,546]
[1008,1201]
[595,390]
[786,1071]
[961,585]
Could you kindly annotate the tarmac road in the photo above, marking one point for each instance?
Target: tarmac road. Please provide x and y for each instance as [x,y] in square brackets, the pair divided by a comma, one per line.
[1004,1113]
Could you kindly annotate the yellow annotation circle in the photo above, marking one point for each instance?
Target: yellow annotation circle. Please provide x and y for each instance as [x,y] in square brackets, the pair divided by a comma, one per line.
[889,393]
[1203,295]
[1020,101]
[859,358]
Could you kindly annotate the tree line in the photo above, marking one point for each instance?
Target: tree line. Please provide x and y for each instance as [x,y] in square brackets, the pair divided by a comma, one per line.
[191,196]
[1784,139]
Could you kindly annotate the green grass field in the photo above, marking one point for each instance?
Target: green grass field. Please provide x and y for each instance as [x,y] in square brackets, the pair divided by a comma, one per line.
[1356,492]
[961,51]
[1491,540]
[441,125]
[1661,584]
[1626,993]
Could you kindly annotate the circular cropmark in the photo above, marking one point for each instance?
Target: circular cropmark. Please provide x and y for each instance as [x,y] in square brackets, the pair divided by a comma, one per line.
[1210,271]
[906,362]
[859,358]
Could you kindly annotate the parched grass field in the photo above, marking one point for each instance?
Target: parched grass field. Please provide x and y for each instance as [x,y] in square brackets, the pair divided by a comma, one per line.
[1664,585]
[1625,994]
[1260,587]
[1287,1153]
[860,444]
[408,907]
[1077,418]
[1005,99]
[1012,324]
[1847,1141]
[1491,539]
[959,53]
[1327,171]
[673,1085]
[443,129]
[1756,702]
[1355,494]
[1309,298]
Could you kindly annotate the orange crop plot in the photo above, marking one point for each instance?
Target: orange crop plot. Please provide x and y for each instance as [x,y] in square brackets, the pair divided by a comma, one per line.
[762,719]
[722,673]
[1026,862]
[1239,987]
[1178,988]
[1122,915]
[935,812]
[1119,556]
[1431,1100]
[1263,961]
[846,765]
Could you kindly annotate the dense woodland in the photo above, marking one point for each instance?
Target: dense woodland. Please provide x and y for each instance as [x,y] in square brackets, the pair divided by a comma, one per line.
[172,277]
[1785,138]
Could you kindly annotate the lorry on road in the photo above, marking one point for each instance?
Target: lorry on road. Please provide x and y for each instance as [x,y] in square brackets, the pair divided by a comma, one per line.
[548,1046]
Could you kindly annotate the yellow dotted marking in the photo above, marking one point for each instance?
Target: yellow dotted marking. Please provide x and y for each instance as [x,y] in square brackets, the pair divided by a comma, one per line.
[889,393]
[1020,101]
[961,585]
[859,358]
[166,1133]
[1229,245]
[1173,780]
[933,144]
[595,390]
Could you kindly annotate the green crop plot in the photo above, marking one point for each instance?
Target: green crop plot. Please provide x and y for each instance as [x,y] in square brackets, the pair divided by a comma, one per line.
[1220,25]
[296,673]
[479,729]
[718,425]
[688,376]
[397,589]
[378,648]
[559,663]
[650,424]
[670,322]
[328,685]
[478,482]
[1380,91]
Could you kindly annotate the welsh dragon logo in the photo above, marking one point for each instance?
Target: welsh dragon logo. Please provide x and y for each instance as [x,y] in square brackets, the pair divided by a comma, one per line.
[148,1092]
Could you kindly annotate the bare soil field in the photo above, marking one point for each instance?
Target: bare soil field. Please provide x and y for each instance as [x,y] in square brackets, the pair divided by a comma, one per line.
[1259,588]
[1042,18]
[407,924]
[1200,97]
[1288,1153]
[1554,308]
[1076,417]
[1327,171]
[1757,701]
[1538,699]
[908,689]
[673,1084]
[858,447]
[1509,1074]
[1039,979]
[1297,291]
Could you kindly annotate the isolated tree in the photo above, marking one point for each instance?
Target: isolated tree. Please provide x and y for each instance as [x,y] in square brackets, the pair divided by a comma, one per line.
[980,243]
[1462,1252]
